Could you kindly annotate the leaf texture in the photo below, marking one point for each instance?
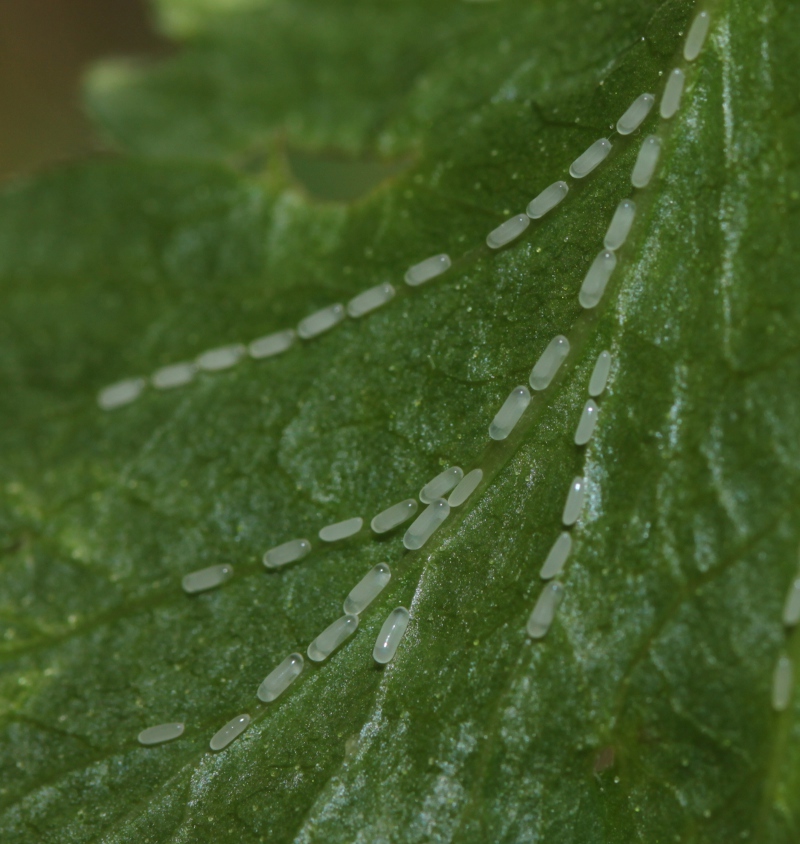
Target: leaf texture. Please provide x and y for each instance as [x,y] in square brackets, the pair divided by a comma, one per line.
[644,714]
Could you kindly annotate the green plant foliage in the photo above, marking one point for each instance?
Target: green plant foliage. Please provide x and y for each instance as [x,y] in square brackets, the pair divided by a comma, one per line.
[645,713]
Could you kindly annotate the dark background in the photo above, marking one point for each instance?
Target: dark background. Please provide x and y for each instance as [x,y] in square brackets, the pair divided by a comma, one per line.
[45,47]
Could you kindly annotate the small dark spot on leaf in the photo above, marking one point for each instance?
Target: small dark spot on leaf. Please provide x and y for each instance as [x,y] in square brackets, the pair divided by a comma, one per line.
[604,759]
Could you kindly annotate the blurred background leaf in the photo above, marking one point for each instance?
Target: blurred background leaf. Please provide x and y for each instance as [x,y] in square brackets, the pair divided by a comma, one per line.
[45,47]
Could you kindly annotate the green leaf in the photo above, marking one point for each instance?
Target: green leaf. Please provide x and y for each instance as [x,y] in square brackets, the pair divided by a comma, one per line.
[644,714]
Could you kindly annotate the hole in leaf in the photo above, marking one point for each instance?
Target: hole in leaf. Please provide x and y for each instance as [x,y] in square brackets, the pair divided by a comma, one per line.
[333,177]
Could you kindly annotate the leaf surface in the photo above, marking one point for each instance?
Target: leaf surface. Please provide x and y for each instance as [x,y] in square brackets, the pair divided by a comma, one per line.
[644,715]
